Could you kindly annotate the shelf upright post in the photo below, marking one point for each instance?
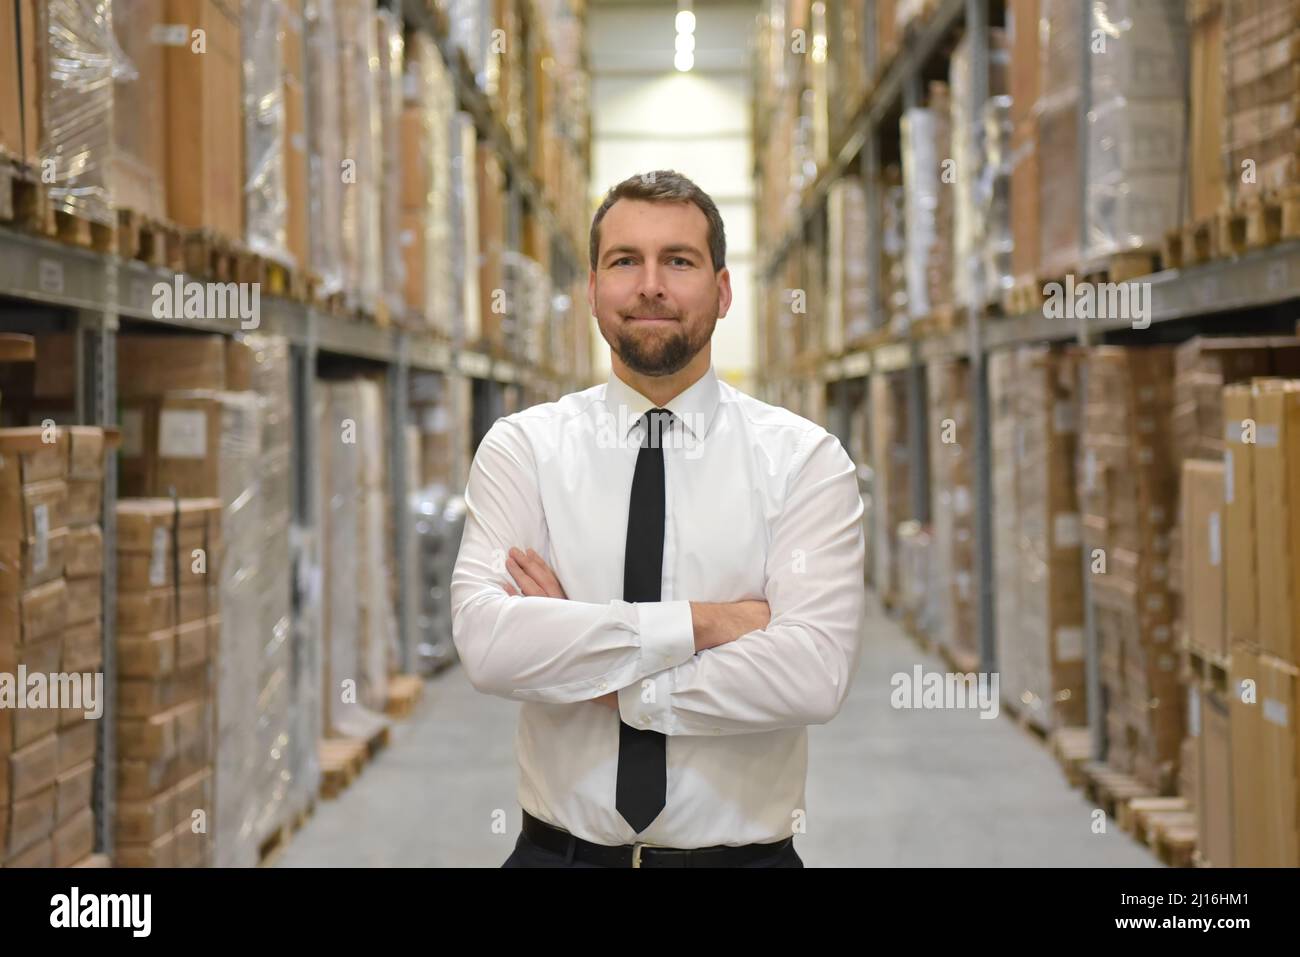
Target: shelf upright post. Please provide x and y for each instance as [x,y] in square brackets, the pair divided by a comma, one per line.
[397,382]
[917,425]
[977,31]
[96,401]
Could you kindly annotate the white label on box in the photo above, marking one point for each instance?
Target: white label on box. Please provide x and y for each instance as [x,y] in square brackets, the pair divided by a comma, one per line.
[298,142]
[158,558]
[961,500]
[1160,634]
[1090,470]
[41,521]
[1215,546]
[1065,530]
[1227,476]
[49,276]
[183,434]
[132,433]
[170,34]
[405,238]
[1193,711]
[1069,643]
[1276,711]
[1266,436]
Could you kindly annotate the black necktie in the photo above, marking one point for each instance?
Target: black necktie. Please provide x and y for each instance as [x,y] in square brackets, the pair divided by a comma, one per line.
[642,787]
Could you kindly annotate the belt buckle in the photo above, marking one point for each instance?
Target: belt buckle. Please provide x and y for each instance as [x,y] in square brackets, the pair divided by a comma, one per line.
[636,854]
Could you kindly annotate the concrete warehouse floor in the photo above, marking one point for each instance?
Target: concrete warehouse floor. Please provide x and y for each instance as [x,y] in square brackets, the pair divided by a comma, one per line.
[885,787]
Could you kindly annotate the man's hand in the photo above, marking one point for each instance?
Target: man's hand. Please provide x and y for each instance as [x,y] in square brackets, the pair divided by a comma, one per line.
[719,623]
[534,576]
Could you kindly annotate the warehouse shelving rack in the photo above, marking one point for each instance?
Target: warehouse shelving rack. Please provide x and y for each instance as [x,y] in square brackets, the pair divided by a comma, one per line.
[1183,301]
[48,286]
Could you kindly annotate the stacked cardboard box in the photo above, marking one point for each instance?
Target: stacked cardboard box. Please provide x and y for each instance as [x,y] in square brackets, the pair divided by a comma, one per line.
[495,324]
[324,144]
[893,261]
[139,164]
[296,173]
[82,638]
[357,68]
[1023,160]
[1260,54]
[1128,496]
[951,511]
[264,116]
[464,234]
[1262,505]
[924,132]
[1205,114]
[846,56]
[388,99]
[848,306]
[1057,119]
[891,489]
[34,751]
[1005,443]
[168,632]
[1050,597]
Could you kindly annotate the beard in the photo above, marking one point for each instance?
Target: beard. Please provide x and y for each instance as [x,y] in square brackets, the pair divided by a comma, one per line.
[658,352]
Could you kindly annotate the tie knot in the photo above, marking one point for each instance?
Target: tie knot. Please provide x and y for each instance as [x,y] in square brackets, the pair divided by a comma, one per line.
[657,421]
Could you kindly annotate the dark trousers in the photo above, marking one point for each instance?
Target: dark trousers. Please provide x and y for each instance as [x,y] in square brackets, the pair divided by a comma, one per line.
[528,854]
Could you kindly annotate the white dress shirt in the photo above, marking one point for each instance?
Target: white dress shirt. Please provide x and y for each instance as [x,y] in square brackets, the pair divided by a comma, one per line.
[760,504]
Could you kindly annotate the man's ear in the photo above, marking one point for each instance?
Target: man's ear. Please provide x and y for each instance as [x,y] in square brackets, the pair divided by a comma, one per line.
[591,290]
[724,291]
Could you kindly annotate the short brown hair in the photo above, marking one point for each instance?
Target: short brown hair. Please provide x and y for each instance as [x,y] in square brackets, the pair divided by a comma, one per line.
[664,186]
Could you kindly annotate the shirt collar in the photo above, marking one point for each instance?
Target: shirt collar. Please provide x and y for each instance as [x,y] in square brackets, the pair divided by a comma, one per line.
[694,408]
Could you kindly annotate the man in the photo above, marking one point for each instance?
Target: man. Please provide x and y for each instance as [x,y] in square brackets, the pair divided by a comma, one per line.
[666,572]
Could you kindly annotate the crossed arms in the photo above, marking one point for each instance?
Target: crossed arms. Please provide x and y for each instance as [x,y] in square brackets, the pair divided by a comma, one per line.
[677,667]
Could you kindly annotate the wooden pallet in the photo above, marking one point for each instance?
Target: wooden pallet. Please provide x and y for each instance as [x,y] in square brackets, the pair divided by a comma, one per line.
[1072,748]
[211,256]
[270,849]
[1109,789]
[1123,266]
[404,693]
[1191,244]
[94,860]
[341,762]
[1023,298]
[149,240]
[1139,815]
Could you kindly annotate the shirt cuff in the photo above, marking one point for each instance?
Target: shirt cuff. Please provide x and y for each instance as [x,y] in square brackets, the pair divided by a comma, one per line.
[667,631]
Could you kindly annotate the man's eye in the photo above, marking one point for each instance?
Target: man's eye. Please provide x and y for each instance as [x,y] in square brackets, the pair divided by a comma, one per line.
[680,259]
[623,259]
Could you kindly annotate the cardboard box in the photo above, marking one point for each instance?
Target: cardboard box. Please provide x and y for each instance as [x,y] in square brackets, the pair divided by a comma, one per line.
[192,644]
[34,767]
[83,647]
[73,790]
[84,552]
[85,505]
[30,724]
[35,613]
[26,563]
[40,854]
[1214,820]
[77,744]
[1277,495]
[148,610]
[296,171]
[30,454]
[1278,750]
[139,154]
[189,845]
[74,839]
[1249,810]
[1203,588]
[33,510]
[147,656]
[1239,518]
[189,444]
[193,793]
[205,143]
[149,366]
[85,599]
[148,739]
[85,448]
[31,820]
[20,126]
[139,780]
[144,525]
[144,821]
[158,853]
[142,698]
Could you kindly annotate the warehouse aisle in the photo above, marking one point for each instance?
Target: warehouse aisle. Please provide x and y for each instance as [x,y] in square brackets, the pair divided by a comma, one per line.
[885,787]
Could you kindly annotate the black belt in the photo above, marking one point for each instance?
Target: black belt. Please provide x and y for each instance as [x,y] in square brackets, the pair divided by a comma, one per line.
[559,841]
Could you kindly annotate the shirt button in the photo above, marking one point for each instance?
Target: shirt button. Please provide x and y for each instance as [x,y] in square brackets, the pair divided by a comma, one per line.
[645,719]
[603,686]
